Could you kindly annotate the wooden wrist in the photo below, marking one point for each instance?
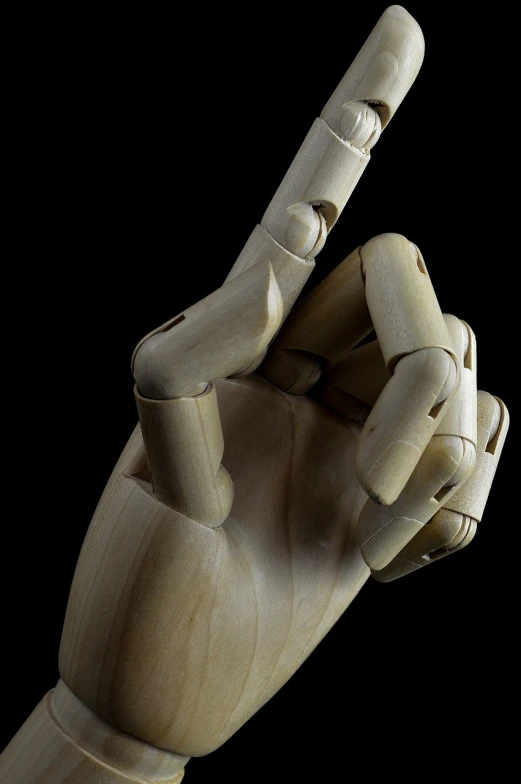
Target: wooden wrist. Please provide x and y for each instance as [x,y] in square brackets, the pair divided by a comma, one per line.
[64,741]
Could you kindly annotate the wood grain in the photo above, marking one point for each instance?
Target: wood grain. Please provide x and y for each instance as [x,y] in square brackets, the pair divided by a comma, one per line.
[184,445]
[383,70]
[291,272]
[403,421]
[177,633]
[454,526]
[63,741]
[493,423]
[335,153]
[321,330]
[401,299]
[215,338]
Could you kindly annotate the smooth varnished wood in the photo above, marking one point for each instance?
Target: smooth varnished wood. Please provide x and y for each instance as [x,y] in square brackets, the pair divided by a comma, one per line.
[403,421]
[177,405]
[455,524]
[192,604]
[64,741]
[461,417]
[217,337]
[383,70]
[291,272]
[321,330]
[314,191]
[401,299]
[176,632]
[335,153]
[493,422]
[384,531]
[353,386]
[184,444]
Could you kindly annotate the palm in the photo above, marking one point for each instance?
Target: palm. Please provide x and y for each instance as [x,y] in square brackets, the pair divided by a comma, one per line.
[247,602]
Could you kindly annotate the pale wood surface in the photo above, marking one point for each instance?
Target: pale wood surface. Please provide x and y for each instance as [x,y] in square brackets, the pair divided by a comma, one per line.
[447,462]
[360,377]
[335,152]
[493,422]
[290,271]
[384,283]
[324,172]
[446,533]
[455,524]
[385,530]
[184,444]
[177,632]
[401,299]
[461,418]
[90,752]
[403,421]
[383,70]
[217,337]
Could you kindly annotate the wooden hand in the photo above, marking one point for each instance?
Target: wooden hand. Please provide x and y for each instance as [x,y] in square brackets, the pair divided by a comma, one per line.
[275,467]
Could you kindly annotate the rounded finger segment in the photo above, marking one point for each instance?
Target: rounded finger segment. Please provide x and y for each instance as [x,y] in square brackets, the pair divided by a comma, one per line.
[417,349]
[447,459]
[321,330]
[446,533]
[402,422]
[334,154]
[401,299]
[384,69]
[184,444]
[216,338]
[383,531]
[461,417]
[492,426]
[455,524]
[176,401]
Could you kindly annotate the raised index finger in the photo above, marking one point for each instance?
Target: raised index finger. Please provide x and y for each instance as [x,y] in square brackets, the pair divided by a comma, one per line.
[334,155]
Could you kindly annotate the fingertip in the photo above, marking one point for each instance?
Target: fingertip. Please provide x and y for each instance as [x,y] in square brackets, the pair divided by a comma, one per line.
[383,546]
[384,479]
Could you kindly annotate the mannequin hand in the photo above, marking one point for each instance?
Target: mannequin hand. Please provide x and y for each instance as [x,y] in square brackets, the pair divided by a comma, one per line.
[208,576]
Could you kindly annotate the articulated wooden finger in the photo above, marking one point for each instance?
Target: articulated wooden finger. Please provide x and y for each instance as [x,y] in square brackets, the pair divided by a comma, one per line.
[417,347]
[446,533]
[335,152]
[215,338]
[403,421]
[455,524]
[354,385]
[320,330]
[399,409]
[383,70]
[383,531]
[291,272]
[177,405]
[493,421]
[318,184]
[184,445]
[461,416]
[401,299]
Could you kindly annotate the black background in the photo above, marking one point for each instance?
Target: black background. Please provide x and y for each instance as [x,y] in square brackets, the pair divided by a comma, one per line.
[149,146]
